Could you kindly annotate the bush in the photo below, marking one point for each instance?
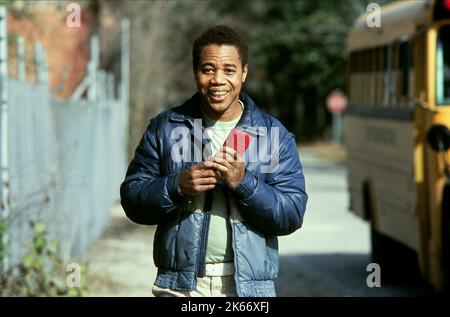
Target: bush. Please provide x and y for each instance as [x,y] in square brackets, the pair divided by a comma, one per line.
[41,271]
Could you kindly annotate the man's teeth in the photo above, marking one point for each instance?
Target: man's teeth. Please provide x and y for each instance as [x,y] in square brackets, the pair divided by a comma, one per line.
[218,93]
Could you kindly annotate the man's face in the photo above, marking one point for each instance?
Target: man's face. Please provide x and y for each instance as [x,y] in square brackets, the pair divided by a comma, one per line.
[219,76]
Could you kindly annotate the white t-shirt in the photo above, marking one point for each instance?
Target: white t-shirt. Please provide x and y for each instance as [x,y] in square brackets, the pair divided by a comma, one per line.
[219,236]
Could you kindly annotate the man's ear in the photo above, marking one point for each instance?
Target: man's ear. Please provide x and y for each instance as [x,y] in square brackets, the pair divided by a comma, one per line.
[244,73]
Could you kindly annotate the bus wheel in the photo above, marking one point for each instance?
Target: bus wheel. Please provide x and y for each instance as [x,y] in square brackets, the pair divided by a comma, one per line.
[446,237]
[398,263]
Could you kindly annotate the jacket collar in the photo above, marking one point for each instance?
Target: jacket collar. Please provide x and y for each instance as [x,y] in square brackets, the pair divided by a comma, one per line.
[250,120]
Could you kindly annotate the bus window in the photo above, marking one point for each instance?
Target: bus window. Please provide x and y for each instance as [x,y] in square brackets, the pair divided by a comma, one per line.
[443,67]
[404,68]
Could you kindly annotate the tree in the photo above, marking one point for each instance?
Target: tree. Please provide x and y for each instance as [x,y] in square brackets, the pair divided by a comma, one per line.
[297,57]
[297,54]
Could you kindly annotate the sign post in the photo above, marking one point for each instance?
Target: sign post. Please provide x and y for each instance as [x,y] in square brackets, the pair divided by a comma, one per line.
[336,104]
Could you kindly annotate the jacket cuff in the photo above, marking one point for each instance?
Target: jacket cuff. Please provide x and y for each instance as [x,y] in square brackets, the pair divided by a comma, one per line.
[247,185]
[172,188]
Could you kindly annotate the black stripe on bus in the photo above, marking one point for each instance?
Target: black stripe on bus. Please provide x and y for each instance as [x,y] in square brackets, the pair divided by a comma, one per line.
[405,114]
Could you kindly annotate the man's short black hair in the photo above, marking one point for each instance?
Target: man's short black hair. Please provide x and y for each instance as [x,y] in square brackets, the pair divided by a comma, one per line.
[220,35]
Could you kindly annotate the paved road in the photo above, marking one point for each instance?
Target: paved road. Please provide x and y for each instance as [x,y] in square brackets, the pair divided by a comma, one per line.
[329,255]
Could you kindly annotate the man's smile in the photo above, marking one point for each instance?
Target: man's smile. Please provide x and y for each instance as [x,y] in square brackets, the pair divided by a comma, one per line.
[217,96]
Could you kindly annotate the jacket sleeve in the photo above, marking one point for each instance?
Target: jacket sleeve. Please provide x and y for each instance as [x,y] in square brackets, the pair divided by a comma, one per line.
[277,206]
[146,196]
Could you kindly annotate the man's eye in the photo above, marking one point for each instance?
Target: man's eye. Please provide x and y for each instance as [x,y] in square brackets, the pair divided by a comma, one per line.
[208,70]
[229,71]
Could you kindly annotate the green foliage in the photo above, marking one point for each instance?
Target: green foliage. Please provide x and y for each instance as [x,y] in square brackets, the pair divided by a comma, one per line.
[3,248]
[42,272]
[297,56]
[18,9]
[304,57]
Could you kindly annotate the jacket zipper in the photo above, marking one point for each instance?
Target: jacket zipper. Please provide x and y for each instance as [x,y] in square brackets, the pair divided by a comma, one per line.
[233,243]
[201,262]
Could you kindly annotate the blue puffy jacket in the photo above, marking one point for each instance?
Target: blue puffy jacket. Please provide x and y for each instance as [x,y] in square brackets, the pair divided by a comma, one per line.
[266,204]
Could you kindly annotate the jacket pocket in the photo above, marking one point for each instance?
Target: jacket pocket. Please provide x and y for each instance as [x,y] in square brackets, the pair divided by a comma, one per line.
[165,244]
[187,240]
[255,259]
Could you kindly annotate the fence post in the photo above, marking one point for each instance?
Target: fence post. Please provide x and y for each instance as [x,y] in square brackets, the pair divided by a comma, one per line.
[125,62]
[4,137]
[93,67]
[44,66]
[39,60]
[21,72]
[102,92]
[110,85]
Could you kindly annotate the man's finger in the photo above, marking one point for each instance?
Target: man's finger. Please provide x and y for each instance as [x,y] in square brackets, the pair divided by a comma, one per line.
[210,172]
[203,188]
[233,153]
[221,161]
[230,151]
[205,181]
[218,174]
[225,155]
[221,165]
[199,166]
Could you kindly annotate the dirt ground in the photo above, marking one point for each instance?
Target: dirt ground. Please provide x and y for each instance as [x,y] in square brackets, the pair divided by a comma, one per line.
[121,263]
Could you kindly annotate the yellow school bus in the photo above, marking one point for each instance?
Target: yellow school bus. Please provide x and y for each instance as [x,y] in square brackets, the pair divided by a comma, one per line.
[397,135]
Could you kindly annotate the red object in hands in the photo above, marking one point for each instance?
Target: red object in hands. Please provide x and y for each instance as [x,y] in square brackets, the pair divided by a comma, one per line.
[447,4]
[239,141]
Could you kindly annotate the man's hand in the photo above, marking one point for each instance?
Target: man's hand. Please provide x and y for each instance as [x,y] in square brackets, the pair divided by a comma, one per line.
[229,164]
[198,178]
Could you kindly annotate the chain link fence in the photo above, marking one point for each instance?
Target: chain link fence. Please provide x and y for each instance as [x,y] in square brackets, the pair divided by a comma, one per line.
[62,161]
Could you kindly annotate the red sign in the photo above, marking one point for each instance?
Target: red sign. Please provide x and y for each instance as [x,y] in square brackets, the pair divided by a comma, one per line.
[336,101]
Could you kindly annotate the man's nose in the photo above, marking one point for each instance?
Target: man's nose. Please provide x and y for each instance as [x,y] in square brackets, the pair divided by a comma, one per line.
[218,78]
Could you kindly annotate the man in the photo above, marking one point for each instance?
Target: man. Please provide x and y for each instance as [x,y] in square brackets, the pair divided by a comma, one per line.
[218,209]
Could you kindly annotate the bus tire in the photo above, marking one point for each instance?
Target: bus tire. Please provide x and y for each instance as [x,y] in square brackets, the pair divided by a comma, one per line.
[446,238]
[398,263]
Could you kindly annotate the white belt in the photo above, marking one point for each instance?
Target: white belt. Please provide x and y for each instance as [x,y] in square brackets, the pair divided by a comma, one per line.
[219,269]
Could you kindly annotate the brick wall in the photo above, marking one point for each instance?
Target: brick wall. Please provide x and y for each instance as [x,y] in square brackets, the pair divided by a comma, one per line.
[67,48]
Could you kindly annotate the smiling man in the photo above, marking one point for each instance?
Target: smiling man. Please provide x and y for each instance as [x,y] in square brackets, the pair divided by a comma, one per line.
[220,74]
[218,217]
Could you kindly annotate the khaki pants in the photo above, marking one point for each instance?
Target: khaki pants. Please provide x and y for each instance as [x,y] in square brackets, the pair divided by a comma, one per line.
[208,286]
